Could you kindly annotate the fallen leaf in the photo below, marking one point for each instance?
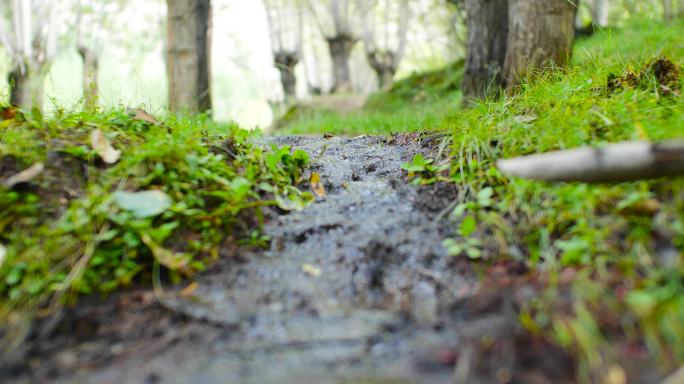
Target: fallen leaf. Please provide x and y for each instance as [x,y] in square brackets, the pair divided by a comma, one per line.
[3,254]
[189,290]
[8,113]
[311,270]
[142,115]
[143,204]
[317,187]
[172,260]
[103,147]
[24,176]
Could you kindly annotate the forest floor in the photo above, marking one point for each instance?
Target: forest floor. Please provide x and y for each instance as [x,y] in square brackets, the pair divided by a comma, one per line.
[411,260]
[356,288]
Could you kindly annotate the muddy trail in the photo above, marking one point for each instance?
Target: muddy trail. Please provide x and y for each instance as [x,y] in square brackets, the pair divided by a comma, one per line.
[356,288]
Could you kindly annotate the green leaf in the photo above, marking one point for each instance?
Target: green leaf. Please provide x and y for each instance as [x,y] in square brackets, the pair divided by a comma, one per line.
[453,247]
[473,253]
[468,226]
[143,204]
[642,303]
[301,158]
[15,274]
[484,197]
[240,187]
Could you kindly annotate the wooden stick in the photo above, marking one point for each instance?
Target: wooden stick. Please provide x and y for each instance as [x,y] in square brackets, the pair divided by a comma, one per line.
[627,161]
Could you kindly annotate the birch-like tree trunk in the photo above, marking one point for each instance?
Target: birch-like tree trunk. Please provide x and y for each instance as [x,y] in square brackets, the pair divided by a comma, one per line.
[285,63]
[541,35]
[600,12]
[667,10]
[335,19]
[340,50]
[27,86]
[285,22]
[385,25]
[31,42]
[487,22]
[188,55]
[385,66]
[20,88]
[90,71]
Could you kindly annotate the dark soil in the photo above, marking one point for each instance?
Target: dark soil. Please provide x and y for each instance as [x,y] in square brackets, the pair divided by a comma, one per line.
[357,288]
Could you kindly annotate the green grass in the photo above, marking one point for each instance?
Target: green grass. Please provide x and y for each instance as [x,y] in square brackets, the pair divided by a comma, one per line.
[614,237]
[67,233]
[419,102]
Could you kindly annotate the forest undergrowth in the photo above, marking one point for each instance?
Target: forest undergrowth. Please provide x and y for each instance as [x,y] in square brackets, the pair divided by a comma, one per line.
[608,256]
[91,202]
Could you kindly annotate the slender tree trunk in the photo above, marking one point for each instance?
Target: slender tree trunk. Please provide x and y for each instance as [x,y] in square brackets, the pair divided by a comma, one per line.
[386,78]
[541,36]
[340,49]
[90,72]
[385,66]
[600,12]
[27,87]
[188,57]
[680,10]
[487,36]
[667,9]
[285,63]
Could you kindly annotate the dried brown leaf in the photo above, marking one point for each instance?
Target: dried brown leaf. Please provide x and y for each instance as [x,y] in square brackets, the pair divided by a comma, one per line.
[317,187]
[142,115]
[103,147]
[24,176]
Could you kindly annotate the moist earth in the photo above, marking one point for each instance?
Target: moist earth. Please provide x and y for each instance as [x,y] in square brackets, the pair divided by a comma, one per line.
[356,288]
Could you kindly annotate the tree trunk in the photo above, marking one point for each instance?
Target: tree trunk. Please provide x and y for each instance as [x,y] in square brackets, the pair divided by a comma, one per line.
[541,36]
[600,13]
[487,36]
[285,63]
[385,66]
[386,78]
[27,88]
[680,10]
[667,10]
[340,49]
[90,72]
[188,56]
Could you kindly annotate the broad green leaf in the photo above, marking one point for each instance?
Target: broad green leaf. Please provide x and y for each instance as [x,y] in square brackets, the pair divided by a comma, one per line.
[468,226]
[484,197]
[143,204]
[642,303]
[240,187]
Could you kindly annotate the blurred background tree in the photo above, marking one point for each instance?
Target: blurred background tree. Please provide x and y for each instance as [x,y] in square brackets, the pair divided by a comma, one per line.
[70,53]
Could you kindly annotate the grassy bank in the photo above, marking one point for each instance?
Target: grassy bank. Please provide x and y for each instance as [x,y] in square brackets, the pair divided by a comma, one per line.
[611,254]
[83,220]
[419,102]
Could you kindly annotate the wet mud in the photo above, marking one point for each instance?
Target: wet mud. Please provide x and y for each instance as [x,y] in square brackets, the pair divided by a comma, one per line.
[356,288]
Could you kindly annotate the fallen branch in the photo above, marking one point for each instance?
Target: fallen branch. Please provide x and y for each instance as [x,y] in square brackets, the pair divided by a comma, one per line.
[675,378]
[619,162]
